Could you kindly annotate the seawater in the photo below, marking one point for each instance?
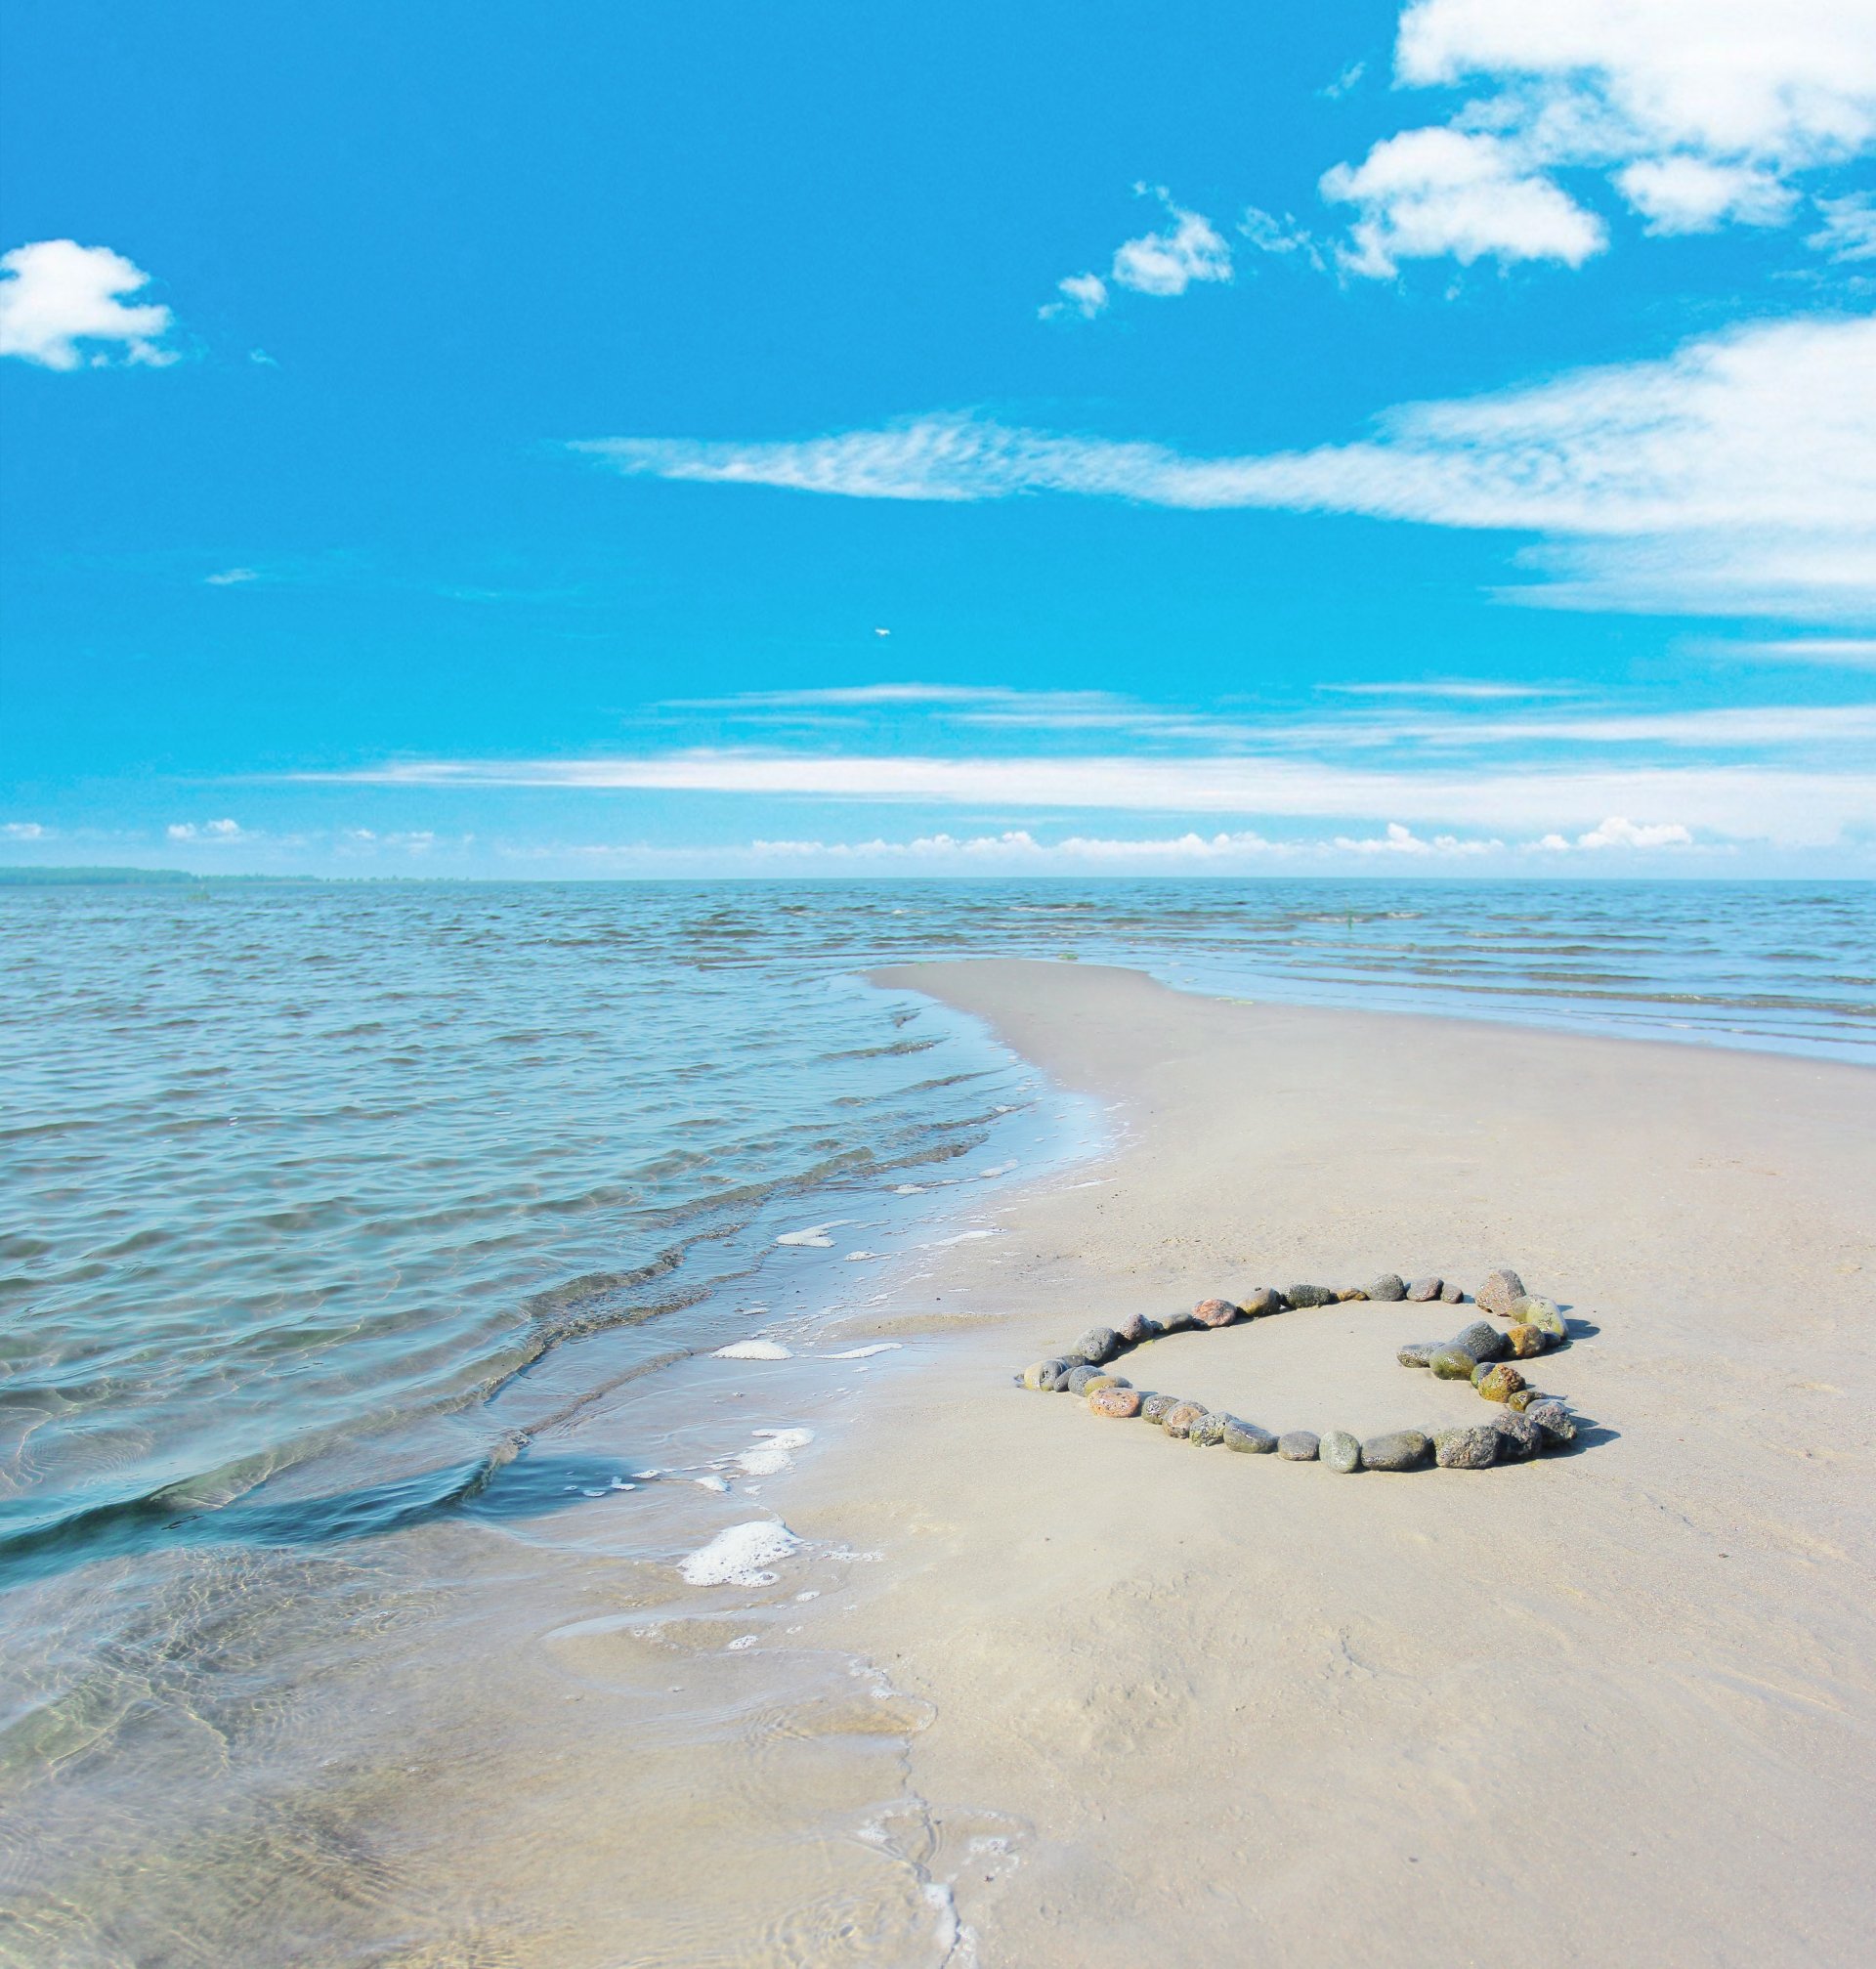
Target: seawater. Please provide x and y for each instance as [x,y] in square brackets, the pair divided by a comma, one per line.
[363,1251]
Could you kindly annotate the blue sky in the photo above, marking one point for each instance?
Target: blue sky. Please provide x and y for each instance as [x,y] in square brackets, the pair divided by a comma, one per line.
[699,439]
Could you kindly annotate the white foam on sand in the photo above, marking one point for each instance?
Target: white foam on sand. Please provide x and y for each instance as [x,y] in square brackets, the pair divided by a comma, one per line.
[753,1350]
[775,1454]
[861,1352]
[739,1555]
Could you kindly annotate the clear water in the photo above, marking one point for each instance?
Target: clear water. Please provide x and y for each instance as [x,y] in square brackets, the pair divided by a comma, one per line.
[328,1210]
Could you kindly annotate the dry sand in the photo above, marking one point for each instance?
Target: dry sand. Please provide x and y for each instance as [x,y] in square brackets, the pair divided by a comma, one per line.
[1612,1707]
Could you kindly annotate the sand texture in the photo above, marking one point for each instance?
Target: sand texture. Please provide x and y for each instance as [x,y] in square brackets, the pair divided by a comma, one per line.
[1614,1706]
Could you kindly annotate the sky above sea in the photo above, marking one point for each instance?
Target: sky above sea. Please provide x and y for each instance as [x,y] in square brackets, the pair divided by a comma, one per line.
[695,438]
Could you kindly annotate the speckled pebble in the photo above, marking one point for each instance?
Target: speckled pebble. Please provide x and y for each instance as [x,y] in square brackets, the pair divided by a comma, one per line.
[1423,1289]
[1465,1448]
[1553,1419]
[1482,1342]
[1500,1382]
[1135,1328]
[1178,1420]
[1206,1429]
[1518,1438]
[1215,1312]
[1339,1451]
[1042,1373]
[1309,1294]
[1116,1401]
[1350,1293]
[1157,1407]
[1451,1363]
[1527,1341]
[1543,1313]
[1418,1352]
[1248,1437]
[1299,1446]
[1450,1294]
[1388,1287]
[1097,1344]
[1105,1380]
[1501,1290]
[1080,1376]
[1261,1302]
[1399,1449]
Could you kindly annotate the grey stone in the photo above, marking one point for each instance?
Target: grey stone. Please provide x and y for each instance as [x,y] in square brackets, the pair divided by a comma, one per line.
[1261,1301]
[1157,1407]
[1450,1294]
[1465,1448]
[1080,1376]
[1103,1379]
[1215,1311]
[1135,1328]
[1178,1420]
[1480,1370]
[1248,1436]
[1205,1430]
[1518,1438]
[1388,1286]
[1044,1374]
[1556,1421]
[1423,1289]
[1418,1352]
[1339,1451]
[1400,1449]
[1309,1294]
[1501,1290]
[1451,1363]
[1178,1322]
[1059,1386]
[1097,1344]
[1299,1446]
[1482,1342]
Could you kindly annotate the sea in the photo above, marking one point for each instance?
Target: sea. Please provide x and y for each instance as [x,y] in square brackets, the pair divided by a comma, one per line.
[368,1254]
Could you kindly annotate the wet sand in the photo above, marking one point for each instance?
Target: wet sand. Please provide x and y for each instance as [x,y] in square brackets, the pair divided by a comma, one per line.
[1616,1705]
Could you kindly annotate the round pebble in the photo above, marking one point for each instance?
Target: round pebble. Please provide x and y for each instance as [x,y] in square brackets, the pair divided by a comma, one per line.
[1299,1446]
[1418,1352]
[1178,1420]
[1553,1419]
[1399,1449]
[1215,1312]
[1097,1344]
[1465,1448]
[1389,1286]
[1500,1382]
[1483,1340]
[1135,1328]
[1042,1373]
[1248,1437]
[1115,1400]
[1527,1341]
[1309,1294]
[1080,1376]
[1157,1407]
[1339,1450]
[1451,1363]
[1450,1294]
[1543,1313]
[1423,1289]
[1518,1438]
[1501,1290]
[1261,1302]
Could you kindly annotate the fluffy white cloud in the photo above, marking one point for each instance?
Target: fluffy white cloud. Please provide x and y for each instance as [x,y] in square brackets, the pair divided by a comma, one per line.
[1702,110]
[1163,263]
[1848,230]
[1430,193]
[62,307]
[1738,475]
[1689,194]
[214,834]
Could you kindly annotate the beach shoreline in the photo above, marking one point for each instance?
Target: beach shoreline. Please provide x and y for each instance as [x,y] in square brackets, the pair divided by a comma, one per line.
[1616,1701]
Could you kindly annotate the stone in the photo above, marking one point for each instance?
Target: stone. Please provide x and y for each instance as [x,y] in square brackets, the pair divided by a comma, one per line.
[1399,1449]
[1499,1382]
[1451,1363]
[1116,1401]
[1541,1313]
[1097,1344]
[1206,1429]
[1299,1446]
[1467,1448]
[1261,1302]
[1522,1397]
[1451,1295]
[1157,1407]
[1480,1369]
[1556,1421]
[1527,1341]
[1388,1286]
[1215,1312]
[1179,1418]
[1481,1341]
[1248,1437]
[1423,1289]
[1178,1322]
[1501,1290]
[1136,1327]
[1418,1352]
[1339,1451]
[1309,1294]
[1349,1293]
[1059,1386]
[1105,1380]
[1044,1373]
[1518,1438]
[1080,1376]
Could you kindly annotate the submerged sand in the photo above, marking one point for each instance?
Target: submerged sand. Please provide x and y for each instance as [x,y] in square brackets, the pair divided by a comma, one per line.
[1613,1706]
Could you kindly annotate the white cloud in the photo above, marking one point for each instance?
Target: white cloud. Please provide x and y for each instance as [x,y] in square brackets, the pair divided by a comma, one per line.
[1702,112]
[232,578]
[1427,194]
[1829,652]
[1848,230]
[1459,689]
[215,833]
[1689,194]
[61,306]
[1789,805]
[1618,832]
[1738,475]
[1165,263]
[23,831]
[1400,841]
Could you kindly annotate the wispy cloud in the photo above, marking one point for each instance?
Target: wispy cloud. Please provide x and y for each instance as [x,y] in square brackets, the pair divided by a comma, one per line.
[211,833]
[1736,476]
[232,578]
[1461,689]
[63,307]
[1190,249]
[1851,653]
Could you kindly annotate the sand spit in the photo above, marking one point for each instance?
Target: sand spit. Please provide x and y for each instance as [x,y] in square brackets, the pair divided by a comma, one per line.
[1613,1704]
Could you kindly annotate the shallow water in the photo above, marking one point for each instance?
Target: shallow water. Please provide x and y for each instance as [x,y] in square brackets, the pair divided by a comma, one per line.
[364,1249]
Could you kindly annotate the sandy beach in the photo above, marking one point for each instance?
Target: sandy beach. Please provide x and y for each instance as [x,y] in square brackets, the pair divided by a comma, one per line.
[1615,1705]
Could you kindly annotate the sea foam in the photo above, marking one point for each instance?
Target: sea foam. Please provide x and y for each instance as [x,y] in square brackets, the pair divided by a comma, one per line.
[739,1555]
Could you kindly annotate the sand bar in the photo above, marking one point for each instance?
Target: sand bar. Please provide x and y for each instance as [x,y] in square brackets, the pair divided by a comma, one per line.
[1613,1706]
